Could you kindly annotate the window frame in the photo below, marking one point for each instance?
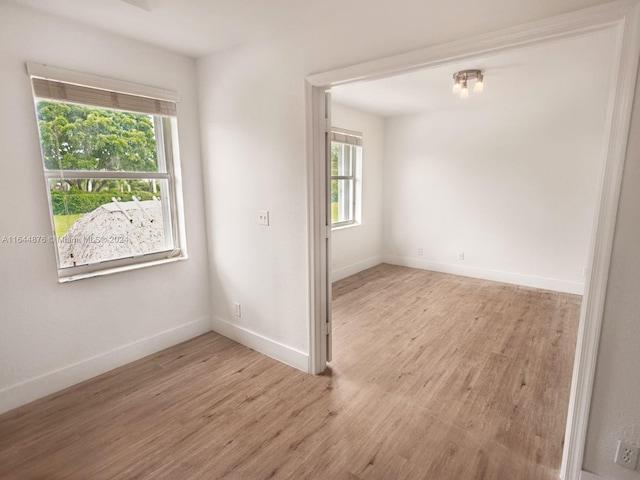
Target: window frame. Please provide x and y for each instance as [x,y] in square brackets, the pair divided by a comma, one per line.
[352,139]
[168,159]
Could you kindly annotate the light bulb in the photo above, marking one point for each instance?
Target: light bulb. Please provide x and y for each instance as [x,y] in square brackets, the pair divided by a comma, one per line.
[479,85]
[464,92]
[456,86]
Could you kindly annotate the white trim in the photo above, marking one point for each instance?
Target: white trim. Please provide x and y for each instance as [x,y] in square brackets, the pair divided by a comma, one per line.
[354,268]
[602,243]
[589,476]
[623,14]
[262,344]
[338,228]
[546,283]
[124,268]
[78,78]
[99,174]
[43,385]
[535,33]
[312,220]
[316,204]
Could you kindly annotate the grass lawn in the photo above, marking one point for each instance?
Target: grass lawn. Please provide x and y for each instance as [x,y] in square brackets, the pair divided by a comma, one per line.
[334,211]
[64,223]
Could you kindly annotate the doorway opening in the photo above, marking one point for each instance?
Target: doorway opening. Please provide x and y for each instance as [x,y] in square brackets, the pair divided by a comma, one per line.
[616,131]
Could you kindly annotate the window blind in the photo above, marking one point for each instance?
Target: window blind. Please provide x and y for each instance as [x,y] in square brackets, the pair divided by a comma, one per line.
[72,93]
[349,139]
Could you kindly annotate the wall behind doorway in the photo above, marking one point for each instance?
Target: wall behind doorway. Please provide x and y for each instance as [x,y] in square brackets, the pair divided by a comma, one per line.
[503,185]
[358,247]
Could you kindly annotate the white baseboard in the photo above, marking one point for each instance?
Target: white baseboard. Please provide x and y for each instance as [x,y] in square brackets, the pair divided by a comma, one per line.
[264,345]
[554,284]
[22,393]
[589,476]
[344,272]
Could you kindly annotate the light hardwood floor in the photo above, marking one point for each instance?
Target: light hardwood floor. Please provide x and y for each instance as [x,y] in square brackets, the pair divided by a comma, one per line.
[434,377]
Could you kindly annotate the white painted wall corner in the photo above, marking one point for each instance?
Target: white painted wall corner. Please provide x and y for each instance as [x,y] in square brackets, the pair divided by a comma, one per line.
[354,268]
[554,284]
[17,395]
[264,345]
[589,476]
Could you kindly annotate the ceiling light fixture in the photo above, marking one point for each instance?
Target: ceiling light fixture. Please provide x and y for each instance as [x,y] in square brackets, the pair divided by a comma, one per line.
[461,78]
[464,91]
[479,85]
[456,85]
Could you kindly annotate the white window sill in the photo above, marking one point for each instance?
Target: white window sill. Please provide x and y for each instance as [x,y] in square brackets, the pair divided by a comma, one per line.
[345,227]
[125,268]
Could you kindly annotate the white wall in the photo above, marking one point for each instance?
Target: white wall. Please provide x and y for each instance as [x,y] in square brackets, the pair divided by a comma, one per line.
[53,335]
[358,247]
[510,179]
[615,407]
[93,325]
[252,124]
[253,131]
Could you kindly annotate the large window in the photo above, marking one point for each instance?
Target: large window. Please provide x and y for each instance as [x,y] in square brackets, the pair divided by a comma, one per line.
[346,157]
[109,163]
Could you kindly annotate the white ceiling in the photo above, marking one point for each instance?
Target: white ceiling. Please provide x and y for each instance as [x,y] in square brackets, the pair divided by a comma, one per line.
[200,27]
[191,27]
[556,74]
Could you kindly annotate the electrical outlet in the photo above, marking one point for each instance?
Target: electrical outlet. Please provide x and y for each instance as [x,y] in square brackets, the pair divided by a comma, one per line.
[460,255]
[263,217]
[627,455]
[420,251]
[238,310]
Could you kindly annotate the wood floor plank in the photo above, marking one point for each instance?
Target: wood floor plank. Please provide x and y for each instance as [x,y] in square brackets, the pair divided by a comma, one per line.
[435,377]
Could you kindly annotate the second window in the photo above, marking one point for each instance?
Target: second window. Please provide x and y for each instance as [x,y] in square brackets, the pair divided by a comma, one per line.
[346,155]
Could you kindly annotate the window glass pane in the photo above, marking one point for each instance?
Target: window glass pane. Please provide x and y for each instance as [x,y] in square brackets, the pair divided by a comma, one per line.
[335,155]
[345,167]
[341,200]
[76,137]
[105,219]
[343,164]
[342,159]
[334,201]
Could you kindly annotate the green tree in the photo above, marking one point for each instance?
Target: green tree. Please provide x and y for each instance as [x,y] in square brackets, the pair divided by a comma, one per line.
[76,137]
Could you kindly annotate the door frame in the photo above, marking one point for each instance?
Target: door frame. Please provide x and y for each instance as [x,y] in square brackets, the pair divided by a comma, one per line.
[624,17]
